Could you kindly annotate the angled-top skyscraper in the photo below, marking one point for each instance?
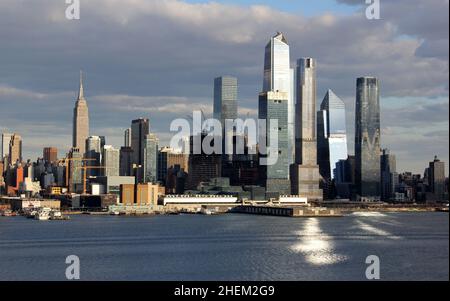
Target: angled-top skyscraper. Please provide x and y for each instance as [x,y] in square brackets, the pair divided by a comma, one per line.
[279,77]
[305,172]
[80,121]
[331,134]
[274,104]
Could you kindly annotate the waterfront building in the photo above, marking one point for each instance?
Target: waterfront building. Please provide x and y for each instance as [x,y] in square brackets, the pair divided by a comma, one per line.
[367,138]
[80,121]
[111,184]
[305,175]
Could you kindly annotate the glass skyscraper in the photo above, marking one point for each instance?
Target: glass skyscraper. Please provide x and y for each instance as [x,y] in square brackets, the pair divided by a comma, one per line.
[331,134]
[273,106]
[225,98]
[279,77]
[140,128]
[151,159]
[367,138]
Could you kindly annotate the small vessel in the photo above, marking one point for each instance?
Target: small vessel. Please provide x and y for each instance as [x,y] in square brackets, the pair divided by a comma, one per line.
[43,214]
[114,212]
[8,213]
[30,213]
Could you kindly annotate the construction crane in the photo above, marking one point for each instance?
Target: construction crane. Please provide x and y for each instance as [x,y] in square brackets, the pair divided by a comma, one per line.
[66,162]
[85,168]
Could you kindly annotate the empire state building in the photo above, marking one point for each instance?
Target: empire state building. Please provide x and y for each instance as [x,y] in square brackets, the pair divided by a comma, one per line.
[80,120]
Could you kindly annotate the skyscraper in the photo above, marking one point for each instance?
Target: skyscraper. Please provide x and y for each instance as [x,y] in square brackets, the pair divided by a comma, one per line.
[276,65]
[151,158]
[278,76]
[305,172]
[6,139]
[126,161]
[202,166]
[225,98]
[80,121]
[93,152]
[111,161]
[75,179]
[388,173]
[140,128]
[436,178]
[50,154]
[274,106]
[291,116]
[15,149]
[331,134]
[367,138]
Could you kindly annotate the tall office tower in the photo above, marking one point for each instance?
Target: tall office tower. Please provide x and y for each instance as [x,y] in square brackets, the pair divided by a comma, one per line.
[127,138]
[305,175]
[278,76]
[331,134]
[140,128]
[151,158]
[80,120]
[163,155]
[436,178]
[225,98]
[388,170]
[15,149]
[93,152]
[75,180]
[6,139]
[367,138]
[111,161]
[50,154]
[126,161]
[225,107]
[202,166]
[274,106]
[291,115]
[276,65]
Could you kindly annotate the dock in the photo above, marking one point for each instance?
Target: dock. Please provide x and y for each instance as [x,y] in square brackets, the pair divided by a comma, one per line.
[291,211]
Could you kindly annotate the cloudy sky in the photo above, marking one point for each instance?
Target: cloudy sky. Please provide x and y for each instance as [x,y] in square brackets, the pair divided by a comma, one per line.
[157,59]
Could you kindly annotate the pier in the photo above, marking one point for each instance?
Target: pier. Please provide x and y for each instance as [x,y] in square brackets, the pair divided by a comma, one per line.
[292,211]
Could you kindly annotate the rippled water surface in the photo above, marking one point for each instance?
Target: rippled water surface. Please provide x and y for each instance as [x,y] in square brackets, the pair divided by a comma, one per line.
[411,246]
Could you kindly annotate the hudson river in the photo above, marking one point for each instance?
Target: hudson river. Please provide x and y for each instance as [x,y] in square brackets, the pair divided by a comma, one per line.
[410,246]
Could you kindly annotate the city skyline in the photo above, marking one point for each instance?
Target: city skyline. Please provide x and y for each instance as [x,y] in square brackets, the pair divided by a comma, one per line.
[421,103]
